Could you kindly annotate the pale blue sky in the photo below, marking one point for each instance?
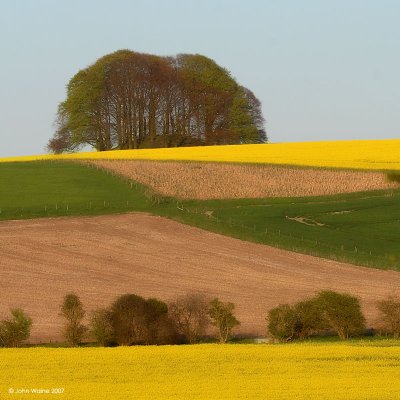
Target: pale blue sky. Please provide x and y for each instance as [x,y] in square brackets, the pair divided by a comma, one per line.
[323,70]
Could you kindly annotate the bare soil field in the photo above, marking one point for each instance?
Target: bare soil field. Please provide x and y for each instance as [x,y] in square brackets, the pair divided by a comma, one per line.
[196,180]
[100,258]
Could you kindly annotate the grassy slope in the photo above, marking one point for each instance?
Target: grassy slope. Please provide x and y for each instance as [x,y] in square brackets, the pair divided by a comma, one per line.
[40,189]
[368,235]
[357,370]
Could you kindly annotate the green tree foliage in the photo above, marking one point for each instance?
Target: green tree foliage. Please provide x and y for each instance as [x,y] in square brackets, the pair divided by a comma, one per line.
[389,309]
[129,100]
[190,315]
[241,120]
[15,330]
[72,310]
[222,317]
[309,320]
[342,313]
[393,177]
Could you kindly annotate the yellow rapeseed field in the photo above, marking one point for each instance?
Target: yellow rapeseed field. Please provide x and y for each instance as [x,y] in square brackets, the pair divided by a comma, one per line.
[358,154]
[292,371]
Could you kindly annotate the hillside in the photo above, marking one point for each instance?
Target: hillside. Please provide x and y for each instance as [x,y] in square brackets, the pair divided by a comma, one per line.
[105,256]
[361,228]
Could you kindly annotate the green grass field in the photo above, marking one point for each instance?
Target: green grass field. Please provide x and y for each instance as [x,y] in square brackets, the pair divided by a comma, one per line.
[348,371]
[40,189]
[361,228]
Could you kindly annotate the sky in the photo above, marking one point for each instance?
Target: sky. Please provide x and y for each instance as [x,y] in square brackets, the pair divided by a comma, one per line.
[323,69]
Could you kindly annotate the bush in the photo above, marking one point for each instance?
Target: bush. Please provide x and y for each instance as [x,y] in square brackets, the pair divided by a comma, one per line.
[341,312]
[222,317]
[328,310]
[135,320]
[72,310]
[390,312]
[15,330]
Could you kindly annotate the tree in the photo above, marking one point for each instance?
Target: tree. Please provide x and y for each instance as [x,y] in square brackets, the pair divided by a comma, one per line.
[190,314]
[341,312]
[222,317]
[161,328]
[128,319]
[15,330]
[255,111]
[72,310]
[101,326]
[389,309]
[283,322]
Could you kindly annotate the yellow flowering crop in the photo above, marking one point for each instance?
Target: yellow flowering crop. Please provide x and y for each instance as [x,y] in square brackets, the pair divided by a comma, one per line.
[291,371]
[357,154]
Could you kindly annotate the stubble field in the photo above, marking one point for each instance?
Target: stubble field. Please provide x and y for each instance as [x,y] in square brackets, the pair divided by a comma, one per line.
[203,181]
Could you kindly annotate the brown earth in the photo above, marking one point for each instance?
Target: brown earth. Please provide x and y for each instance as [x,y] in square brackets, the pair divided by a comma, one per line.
[102,257]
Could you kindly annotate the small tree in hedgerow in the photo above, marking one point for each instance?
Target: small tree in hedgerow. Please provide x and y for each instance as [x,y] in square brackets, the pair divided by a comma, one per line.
[190,315]
[15,330]
[309,321]
[222,317]
[389,309]
[72,310]
[341,312]
[283,322]
[101,326]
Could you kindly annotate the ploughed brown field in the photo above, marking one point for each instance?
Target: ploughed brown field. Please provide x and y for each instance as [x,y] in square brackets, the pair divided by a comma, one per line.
[103,257]
[206,180]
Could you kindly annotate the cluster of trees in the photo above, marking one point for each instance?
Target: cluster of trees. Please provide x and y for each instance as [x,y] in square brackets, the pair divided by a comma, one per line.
[130,100]
[330,311]
[133,320]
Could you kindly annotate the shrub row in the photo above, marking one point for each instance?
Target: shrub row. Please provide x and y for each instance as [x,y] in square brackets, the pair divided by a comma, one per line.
[133,320]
